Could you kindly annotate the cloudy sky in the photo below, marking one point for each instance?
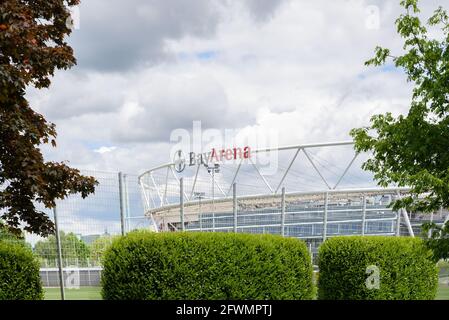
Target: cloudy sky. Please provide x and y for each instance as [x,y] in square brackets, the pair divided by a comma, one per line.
[146,68]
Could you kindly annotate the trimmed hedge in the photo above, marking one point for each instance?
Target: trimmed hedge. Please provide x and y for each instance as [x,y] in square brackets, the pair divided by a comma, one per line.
[181,265]
[19,273]
[406,269]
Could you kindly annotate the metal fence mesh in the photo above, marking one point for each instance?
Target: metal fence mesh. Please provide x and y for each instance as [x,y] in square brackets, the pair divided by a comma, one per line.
[88,226]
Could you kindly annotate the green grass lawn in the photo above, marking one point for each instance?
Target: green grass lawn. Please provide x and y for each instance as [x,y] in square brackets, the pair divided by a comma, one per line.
[84,293]
[93,293]
[443,292]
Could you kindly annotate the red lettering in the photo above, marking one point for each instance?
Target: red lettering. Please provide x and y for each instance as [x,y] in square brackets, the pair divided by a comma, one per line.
[229,154]
[237,153]
[246,152]
[214,155]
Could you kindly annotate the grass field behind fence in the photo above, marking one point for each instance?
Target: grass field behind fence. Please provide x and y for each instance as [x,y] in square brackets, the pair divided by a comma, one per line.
[443,289]
[94,293]
[84,293]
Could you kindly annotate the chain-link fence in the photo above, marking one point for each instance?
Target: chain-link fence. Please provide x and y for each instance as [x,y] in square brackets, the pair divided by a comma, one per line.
[121,204]
[311,217]
[86,227]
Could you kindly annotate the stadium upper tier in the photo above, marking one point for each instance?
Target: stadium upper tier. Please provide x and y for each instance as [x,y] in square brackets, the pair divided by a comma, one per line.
[326,193]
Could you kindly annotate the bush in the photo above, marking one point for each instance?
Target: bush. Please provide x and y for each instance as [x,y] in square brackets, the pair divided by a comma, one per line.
[19,273]
[98,248]
[406,269]
[172,266]
[7,236]
[74,250]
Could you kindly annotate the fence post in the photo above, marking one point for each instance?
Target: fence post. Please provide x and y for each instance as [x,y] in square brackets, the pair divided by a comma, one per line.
[326,201]
[398,224]
[58,248]
[429,234]
[283,212]
[398,221]
[46,274]
[213,199]
[363,214]
[181,202]
[234,204]
[200,214]
[126,198]
[122,203]
[311,252]
[407,223]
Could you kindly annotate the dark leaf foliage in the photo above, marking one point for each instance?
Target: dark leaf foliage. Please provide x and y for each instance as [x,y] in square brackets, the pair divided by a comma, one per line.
[413,149]
[19,273]
[32,47]
[405,265]
[437,238]
[185,266]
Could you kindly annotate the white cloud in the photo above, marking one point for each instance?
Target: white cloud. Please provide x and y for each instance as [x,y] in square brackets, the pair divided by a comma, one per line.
[103,150]
[298,68]
[147,68]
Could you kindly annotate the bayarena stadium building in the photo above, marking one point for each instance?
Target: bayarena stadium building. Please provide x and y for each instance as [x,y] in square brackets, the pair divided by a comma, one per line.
[300,191]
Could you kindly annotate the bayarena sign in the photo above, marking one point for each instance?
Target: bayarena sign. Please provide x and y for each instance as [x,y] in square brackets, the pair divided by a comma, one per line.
[214,156]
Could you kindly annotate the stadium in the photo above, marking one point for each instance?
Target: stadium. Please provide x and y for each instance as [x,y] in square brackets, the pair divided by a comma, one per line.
[309,196]
[253,205]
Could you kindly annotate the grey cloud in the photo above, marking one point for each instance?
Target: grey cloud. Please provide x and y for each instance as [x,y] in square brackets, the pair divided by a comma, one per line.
[73,95]
[119,35]
[263,9]
[175,102]
[334,44]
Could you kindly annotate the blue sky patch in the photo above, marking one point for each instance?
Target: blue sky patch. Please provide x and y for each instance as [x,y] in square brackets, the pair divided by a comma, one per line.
[206,55]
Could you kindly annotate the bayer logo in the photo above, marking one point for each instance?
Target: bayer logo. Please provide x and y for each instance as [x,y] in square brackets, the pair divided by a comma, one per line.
[179,161]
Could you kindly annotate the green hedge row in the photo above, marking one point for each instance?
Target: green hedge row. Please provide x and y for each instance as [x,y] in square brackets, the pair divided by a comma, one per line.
[146,265]
[19,272]
[362,268]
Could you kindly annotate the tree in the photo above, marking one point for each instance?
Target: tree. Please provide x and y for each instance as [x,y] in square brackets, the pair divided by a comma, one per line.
[74,251]
[98,248]
[5,234]
[438,240]
[413,149]
[32,47]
